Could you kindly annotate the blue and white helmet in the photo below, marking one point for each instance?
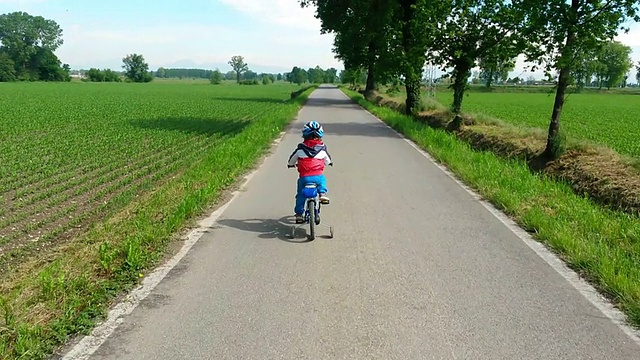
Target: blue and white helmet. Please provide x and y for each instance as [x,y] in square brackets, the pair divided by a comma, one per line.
[312,128]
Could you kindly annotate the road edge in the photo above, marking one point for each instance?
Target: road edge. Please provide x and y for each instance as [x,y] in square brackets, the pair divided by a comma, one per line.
[89,344]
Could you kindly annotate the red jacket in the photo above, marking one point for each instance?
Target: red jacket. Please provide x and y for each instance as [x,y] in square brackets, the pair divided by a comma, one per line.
[311,157]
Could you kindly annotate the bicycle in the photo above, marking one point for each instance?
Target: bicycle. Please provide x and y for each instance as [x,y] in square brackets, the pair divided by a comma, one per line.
[312,207]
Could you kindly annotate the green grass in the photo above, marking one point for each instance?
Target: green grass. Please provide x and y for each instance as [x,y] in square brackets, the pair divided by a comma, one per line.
[604,119]
[602,245]
[131,164]
[609,120]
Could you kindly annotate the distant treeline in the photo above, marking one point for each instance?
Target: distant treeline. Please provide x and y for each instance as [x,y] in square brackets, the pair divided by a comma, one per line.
[178,73]
[315,75]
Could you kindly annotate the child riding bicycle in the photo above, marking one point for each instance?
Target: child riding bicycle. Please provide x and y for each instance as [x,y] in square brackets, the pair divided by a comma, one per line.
[311,157]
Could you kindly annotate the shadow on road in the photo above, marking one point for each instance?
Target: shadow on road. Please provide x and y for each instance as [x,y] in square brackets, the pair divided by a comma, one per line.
[370,129]
[330,102]
[270,229]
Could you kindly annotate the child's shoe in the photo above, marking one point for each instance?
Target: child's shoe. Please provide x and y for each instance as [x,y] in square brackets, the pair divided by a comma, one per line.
[324,199]
[299,219]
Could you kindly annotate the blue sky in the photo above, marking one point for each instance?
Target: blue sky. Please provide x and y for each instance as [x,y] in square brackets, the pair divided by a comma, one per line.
[272,35]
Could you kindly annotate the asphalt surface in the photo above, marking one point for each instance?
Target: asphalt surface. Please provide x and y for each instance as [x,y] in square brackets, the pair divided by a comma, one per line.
[418,269]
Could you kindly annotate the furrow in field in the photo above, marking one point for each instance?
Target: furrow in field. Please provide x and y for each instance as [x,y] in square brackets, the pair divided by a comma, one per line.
[29,188]
[32,229]
[30,206]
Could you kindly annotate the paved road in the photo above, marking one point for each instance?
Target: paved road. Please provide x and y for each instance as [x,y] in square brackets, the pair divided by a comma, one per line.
[418,270]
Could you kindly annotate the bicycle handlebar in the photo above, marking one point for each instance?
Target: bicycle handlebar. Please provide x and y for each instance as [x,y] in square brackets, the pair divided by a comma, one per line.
[292,166]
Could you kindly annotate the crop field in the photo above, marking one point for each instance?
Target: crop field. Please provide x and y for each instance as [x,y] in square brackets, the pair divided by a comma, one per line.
[74,153]
[606,119]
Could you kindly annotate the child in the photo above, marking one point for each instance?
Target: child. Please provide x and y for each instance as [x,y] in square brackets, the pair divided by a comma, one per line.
[311,157]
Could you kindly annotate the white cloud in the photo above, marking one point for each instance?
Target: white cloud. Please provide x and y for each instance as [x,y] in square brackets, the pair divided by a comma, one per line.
[286,13]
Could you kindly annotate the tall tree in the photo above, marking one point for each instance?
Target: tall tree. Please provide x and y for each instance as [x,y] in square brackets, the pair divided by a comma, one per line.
[414,21]
[239,66]
[638,72]
[362,30]
[473,30]
[216,77]
[614,60]
[23,36]
[495,68]
[136,69]
[566,29]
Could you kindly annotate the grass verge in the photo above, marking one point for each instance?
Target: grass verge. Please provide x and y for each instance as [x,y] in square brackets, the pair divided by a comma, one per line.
[605,176]
[602,245]
[53,296]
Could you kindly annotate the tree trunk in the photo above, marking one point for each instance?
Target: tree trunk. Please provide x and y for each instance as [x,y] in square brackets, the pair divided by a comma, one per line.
[413,97]
[554,146]
[489,79]
[461,72]
[413,61]
[371,64]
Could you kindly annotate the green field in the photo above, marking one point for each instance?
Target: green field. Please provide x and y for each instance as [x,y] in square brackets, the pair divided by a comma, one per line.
[96,179]
[68,150]
[606,119]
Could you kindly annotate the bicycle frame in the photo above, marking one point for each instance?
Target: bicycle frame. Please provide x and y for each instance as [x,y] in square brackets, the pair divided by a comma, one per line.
[312,211]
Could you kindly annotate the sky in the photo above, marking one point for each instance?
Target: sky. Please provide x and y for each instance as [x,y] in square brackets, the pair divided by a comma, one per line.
[272,35]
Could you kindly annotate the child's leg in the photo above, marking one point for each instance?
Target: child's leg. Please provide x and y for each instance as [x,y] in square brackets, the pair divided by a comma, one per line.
[322,189]
[299,207]
[321,181]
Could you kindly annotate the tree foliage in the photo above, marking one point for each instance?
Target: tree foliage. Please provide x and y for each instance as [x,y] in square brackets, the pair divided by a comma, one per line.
[216,77]
[106,75]
[136,69]
[476,30]
[495,68]
[362,31]
[28,43]
[239,66]
[613,62]
[183,73]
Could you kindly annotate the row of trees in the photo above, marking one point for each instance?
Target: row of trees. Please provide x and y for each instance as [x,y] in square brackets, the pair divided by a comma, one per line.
[608,66]
[315,75]
[135,67]
[27,45]
[393,39]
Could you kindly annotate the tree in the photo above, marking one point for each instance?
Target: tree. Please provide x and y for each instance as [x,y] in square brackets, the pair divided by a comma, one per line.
[495,68]
[238,65]
[362,30]
[638,73]
[614,60]
[46,66]
[216,77]
[136,69]
[298,76]
[565,29]
[24,37]
[414,21]
[330,75]
[476,30]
